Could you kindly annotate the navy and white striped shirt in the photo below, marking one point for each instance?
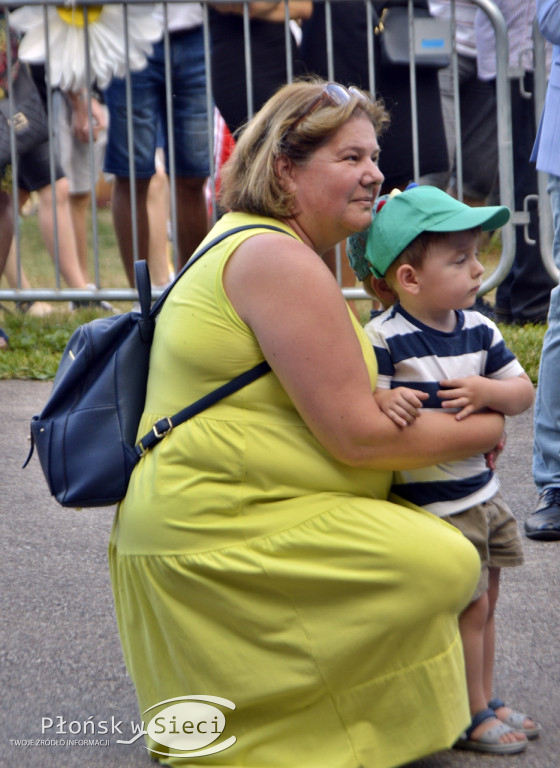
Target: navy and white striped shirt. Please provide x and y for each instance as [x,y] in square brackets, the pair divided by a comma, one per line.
[411,354]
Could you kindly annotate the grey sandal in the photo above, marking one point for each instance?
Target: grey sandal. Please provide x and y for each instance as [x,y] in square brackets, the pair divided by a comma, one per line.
[516,719]
[490,740]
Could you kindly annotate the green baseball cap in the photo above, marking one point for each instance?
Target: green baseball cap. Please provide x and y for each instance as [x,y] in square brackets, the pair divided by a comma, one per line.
[404,216]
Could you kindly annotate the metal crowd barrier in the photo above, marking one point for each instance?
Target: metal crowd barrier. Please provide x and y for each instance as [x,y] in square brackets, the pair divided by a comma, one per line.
[506,194]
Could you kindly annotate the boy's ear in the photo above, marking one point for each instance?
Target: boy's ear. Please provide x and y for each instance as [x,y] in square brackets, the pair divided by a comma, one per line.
[407,278]
[383,291]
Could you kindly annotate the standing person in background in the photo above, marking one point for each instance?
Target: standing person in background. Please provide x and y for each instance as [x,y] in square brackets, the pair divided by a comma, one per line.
[268,54]
[544,523]
[71,131]
[523,297]
[190,130]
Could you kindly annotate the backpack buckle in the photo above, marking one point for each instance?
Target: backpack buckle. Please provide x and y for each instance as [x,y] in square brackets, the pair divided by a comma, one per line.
[162,427]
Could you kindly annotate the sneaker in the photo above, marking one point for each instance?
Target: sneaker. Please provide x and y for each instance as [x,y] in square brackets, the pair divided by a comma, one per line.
[87,303]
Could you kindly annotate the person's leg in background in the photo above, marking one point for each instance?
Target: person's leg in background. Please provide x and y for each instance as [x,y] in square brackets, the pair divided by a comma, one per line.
[6,236]
[544,523]
[6,227]
[192,218]
[34,176]
[158,217]
[122,221]
[479,140]
[72,134]
[145,100]
[192,150]
[479,143]
[70,268]
[18,279]
[523,297]
[80,203]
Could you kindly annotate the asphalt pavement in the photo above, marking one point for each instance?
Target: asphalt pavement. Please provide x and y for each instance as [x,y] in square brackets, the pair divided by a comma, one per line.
[66,699]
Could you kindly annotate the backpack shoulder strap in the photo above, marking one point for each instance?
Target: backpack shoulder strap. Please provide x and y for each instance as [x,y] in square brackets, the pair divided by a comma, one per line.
[164,426]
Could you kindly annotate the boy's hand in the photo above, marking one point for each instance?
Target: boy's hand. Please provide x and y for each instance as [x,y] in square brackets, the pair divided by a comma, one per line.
[468,395]
[402,405]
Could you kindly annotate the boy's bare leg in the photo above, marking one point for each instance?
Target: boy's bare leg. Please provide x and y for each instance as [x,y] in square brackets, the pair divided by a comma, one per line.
[472,624]
[489,646]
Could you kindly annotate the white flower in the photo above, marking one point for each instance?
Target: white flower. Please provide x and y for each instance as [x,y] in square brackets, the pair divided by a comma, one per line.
[67,59]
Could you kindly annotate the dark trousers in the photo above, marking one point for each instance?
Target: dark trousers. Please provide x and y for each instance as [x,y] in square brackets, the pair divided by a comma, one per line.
[525,293]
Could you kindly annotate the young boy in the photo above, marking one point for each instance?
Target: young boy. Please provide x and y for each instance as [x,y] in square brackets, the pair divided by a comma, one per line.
[422,247]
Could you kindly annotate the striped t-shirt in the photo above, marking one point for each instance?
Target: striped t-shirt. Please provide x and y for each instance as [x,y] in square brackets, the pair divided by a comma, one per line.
[411,354]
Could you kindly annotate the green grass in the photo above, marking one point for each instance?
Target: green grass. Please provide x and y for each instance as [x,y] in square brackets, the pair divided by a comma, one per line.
[36,343]
[526,343]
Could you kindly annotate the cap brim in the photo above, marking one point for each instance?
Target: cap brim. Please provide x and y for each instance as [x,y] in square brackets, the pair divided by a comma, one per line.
[487,217]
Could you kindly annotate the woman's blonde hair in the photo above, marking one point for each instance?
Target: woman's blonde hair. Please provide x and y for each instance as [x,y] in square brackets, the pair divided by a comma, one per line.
[288,125]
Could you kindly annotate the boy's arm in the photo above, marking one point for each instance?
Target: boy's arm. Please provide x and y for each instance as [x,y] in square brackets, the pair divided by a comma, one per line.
[402,405]
[474,393]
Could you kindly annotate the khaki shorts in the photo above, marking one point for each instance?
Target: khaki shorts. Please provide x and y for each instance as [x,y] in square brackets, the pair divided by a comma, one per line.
[492,528]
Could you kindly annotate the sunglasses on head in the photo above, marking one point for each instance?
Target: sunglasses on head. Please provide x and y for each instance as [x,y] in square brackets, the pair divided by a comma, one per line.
[334,94]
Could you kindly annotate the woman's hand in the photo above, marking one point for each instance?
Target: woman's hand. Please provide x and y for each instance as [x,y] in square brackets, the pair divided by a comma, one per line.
[492,456]
[298,9]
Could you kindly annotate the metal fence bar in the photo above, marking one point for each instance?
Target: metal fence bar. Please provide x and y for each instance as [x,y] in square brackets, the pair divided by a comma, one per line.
[456,104]
[15,194]
[91,153]
[505,150]
[210,112]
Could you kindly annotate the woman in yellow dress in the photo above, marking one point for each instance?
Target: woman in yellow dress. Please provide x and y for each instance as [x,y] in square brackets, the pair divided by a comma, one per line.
[256,562]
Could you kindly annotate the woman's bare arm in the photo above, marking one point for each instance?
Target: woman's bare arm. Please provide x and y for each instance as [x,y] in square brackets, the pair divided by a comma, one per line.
[273,11]
[288,297]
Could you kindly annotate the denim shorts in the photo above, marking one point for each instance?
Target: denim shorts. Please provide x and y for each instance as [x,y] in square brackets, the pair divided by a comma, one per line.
[190,120]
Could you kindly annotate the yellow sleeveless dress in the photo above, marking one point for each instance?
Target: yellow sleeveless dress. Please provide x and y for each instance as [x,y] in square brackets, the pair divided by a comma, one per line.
[250,565]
